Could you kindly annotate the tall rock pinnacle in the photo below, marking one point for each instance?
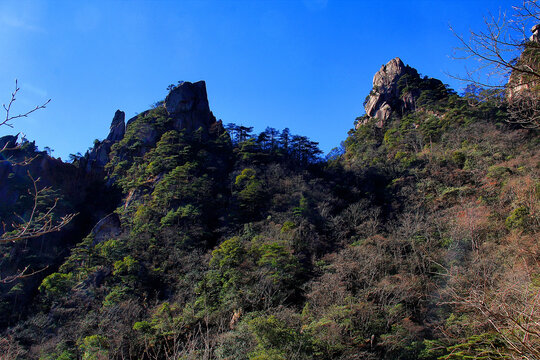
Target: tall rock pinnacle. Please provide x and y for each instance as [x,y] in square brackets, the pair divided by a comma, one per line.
[187,104]
[396,90]
[382,98]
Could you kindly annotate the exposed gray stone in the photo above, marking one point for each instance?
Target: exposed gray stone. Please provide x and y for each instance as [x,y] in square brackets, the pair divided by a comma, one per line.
[385,90]
[107,228]
[390,95]
[187,97]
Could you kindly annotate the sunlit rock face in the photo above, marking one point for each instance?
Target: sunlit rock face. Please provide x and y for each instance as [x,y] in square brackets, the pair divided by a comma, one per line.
[385,98]
[385,90]
[396,91]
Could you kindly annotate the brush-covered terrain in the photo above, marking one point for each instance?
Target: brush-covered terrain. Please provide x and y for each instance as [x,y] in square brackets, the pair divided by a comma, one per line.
[417,238]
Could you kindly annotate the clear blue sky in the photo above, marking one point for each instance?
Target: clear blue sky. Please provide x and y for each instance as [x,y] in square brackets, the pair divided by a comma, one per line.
[302,64]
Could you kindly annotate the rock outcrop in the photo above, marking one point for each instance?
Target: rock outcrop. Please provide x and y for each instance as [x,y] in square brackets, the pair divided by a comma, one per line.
[106,228]
[99,155]
[8,141]
[187,108]
[187,104]
[521,83]
[118,127]
[396,89]
[382,99]
[523,87]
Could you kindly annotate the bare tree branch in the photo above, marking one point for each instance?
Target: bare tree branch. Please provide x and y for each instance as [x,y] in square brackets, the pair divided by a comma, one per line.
[9,118]
[38,223]
[507,60]
[42,219]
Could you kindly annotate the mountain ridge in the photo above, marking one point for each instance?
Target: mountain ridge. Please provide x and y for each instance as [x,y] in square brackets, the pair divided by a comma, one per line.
[218,243]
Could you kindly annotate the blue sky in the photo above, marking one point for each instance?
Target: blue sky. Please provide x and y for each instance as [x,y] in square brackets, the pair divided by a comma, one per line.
[302,64]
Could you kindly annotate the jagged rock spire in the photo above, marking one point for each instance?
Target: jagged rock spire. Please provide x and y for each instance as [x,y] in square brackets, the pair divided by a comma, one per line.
[385,89]
[118,127]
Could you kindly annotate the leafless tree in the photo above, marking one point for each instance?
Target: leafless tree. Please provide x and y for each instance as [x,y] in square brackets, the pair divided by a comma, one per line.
[508,61]
[508,305]
[41,220]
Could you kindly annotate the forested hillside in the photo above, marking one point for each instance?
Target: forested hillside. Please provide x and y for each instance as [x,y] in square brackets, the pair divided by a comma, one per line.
[416,239]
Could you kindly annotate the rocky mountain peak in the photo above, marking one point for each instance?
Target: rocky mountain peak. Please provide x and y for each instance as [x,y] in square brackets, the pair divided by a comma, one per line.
[187,108]
[186,97]
[382,98]
[399,89]
[386,78]
[187,104]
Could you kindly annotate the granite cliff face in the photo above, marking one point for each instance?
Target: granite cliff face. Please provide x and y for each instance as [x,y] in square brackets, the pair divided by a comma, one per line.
[385,90]
[187,104]
[386,96]
[118,127]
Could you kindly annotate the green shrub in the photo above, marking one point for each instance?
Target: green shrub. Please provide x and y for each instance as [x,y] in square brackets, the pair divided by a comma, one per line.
[498,172]
[56,284]
[115,296]
[277,341]
[94,347]
[287,226]
[459,158]
[518,218]
[127,266]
